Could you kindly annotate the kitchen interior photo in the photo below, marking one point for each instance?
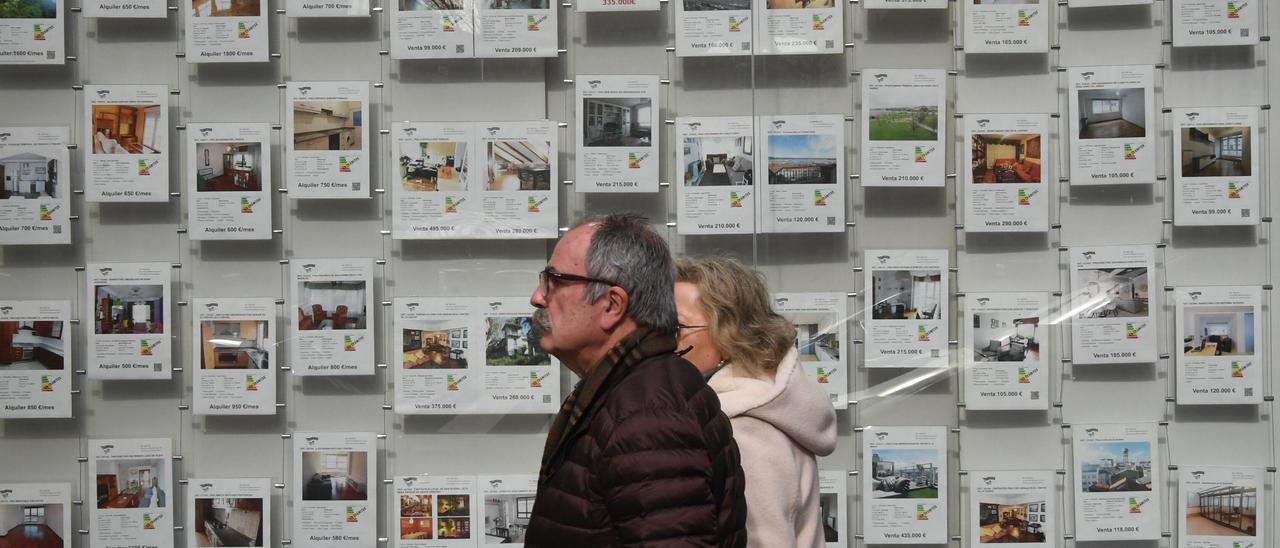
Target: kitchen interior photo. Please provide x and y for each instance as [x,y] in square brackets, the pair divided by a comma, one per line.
[617,122]
[1011,518]
[1216,152]
[335,475]
[234,344]
[1218,331]
[327,125]
[519,165]
[433,166]
[124,309]
[127,129]
[32,526]
[225,8]
[1114,292]
[331,305]
[815,345]
[1006,158]
[717,161]
[506,518]
[228,167]
[998,338]
[28,175]
[31,346]
[228,522]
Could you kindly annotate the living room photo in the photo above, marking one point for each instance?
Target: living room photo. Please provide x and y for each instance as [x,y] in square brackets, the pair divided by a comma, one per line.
[32,526]
[1218,331]
[1002,337]
[128,483]
[617,122]
[1006,158]
[1217,152]
[335,475]
[331,305]
[226,8]
[126,309]
[518,165]
[31,346]
[1011,518]
[906,294]
[1112,113]
[127,129]
[717,161]
[29,175]
[1114,293]
[433,166]
[435,345]
[228,167]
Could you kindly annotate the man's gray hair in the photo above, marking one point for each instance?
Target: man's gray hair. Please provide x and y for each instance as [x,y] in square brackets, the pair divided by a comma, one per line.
[626,251]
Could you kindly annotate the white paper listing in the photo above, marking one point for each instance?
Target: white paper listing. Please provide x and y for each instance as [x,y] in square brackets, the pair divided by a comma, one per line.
[36,206]
[227,168]
[227,31]
[904,484]
[508,503]
[822,327]
[715,158]
[131,324]
[802,164]
[40,510]
[1117,482]
[904,134]
[833,507]
[1217,181]
[799,26]
[1112,302]
[1006,185]
[617,119]
[234,356]
[235,513]
[135,503]
[436,511]
[1221,507]
[432,29]
[909,292]
[516,28]
[713,27]
[1006,350]
[1220,357]
[333,299]
[1215,23]
[519,158]
[36,379]
[327,155]
[334,489]
[992,26]
[126,136]
[1113,131]
[1013,506]
[34,35]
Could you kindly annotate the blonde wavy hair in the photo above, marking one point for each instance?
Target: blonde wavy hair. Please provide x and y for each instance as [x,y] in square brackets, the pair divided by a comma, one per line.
[740,317]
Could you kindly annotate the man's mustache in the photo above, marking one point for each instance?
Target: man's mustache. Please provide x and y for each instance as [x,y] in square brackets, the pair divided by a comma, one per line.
[540,321]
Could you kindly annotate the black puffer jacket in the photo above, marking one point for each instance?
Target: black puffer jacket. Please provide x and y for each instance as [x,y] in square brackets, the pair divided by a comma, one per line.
[655,466]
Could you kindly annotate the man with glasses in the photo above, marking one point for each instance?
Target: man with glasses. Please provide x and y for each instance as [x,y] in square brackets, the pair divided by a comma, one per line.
[640,453]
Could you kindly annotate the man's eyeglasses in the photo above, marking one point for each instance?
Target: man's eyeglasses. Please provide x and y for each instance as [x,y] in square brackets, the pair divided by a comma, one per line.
[680,326]
[546,275]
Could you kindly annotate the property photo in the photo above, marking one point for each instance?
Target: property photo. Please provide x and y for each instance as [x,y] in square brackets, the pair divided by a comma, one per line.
[1006,157]
[228,522]
[512,340]
[1218,331]
[416,528]
[1216,152]
[829,514]
[803,159]
[506,518]
[1115,466]
[1114,293]
[903,114]
[127,129]
[1003,337]
[1223,511]
[228,167]
[241,344]
[428,5]
[327,125]
[518,165]
[128,309]
[28,9]
[1112,113]
[813,342]
[435,345]
[32,526]
[716,5]
[434,166]
[800,4]
[904,473]
[454,528]
[31,346]
[29,175]
[519,4]
[335,475]
[226,8]
[131,483]
[453,505]
[717,161]
[412,506]
[617,121]
[1011,518]
[331,305]
[906,294]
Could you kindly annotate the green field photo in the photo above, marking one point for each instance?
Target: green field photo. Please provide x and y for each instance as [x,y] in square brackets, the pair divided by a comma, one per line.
[904,124]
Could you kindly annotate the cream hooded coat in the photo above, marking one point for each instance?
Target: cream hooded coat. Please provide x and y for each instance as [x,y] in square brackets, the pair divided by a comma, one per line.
[780,426]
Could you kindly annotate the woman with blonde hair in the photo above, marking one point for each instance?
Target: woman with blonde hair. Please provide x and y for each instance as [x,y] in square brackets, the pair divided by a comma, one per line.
[781,418]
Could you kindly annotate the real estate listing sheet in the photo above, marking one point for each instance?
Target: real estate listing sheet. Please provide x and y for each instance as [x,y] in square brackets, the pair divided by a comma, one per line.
[799,26]
[908,292]
[715,156]
[235,513]
[804,188]
[1006,351]
[335,487]
[433,180]
[905,484]
[1006,26]
[516,28]
[1113,125]
[519,198]
[31,33]
[905,124]
[432,29]
[131,320]
[328,8]
[35,203]
[234,356]
[227,166]
[1217,181]
[1117,477]
[1113,296]
[1006,188]
[833,500]
[713,27]
[327,155]
[35,359]
[616,117]
[1219,506]
[1215,23]
[1220,359]
[36,514]
[435,511]
[226,31]
[508,503]
[141,9]
[126,130]
[1013,506]
[335,315]
[133,504]
[822,328]
[518,376]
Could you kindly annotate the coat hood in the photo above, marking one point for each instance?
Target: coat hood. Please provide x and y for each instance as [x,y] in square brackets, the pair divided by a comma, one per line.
[792,402]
